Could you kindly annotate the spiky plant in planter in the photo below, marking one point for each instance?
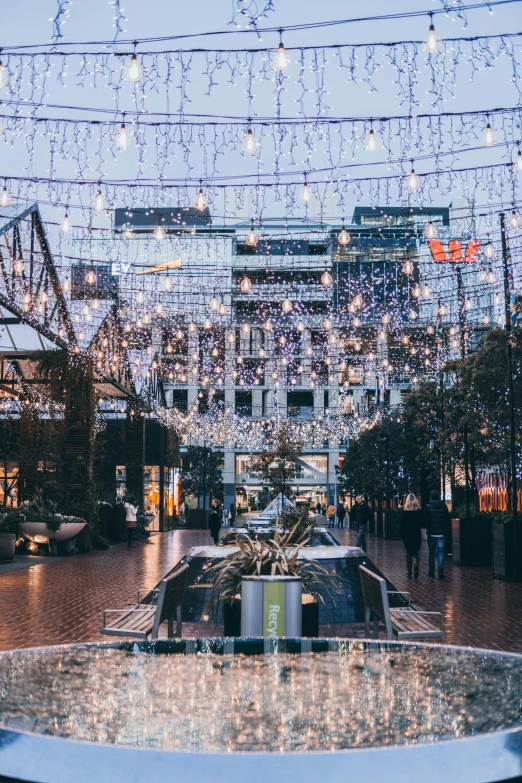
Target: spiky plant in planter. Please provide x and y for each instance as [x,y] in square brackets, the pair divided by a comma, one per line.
[278,556]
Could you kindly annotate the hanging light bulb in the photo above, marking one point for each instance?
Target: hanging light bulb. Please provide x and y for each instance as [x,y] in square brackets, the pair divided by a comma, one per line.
[133,71]
[159,232]
[65,225]
[482,275]
[282,340]
[306,194]
[486,320]
[246,284]
[159,308]
[66,285]
[433,43]
[326,278]
[343,237]
[252,239]
[5,199]
[140,297]
[122,138]
[515,220]
[468,304]
[281,58]
[386,318]
[167,283]
[192,326]
[245,329]
[426,291]
[90,277]
[412,315]
[129,234]
[491,277]
[99,203]
[250,143]
[518,162]
[267,326]
[214,304]
[201,201]
[4,75]
[372,142]
[287,305]
[430,230]
[489,135]
[443,309]
[356,322]
[413,181]
[207,323]
[18,266]
[357,301]
[489,250]
[327,323]
[408,267]
[222,309]
[300,326]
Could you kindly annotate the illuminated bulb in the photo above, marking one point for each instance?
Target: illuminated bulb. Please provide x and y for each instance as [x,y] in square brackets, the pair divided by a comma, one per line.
[99,203]
[282,340]
[192,327]
[4,75]
[430,230]
[5,199]
[207,323]
[167,283]
[252,239]
[468,304]
[482,275]
[386,318]
[491,277]
[309,351]
[426,291]
[408,267]
[122,138]
[372,142]
[382,335]
[486,320]
[133,71]
[306,194]
[371,356]
[90,277]
[65,224]
[326,278]
[267,326]
[515,220]
[489,250]
[18,266]
[27,299]
[139,297]
[433,43]
[215,352]
[262,353]
[66,285]
[146,318]
[159,232]
[222,309]
[357,301]
[214,304]
[287,305]
[518,162]
[159,308]
[443,310]
[245,328]
[343,237]
[356,321]
[300,326]
[246,284]
[201,201]
[250,143]
[489,136]
[327,323]
[430,329]
[129,234]
[412,181]
[452,331]
[405,339]
[281,58]
[44,297]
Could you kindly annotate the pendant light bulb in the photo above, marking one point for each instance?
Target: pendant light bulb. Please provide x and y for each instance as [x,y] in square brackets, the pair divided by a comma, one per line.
[246,284]
[5,198]
[122,138]
[201,201]
[250,143]
[433,43]
[281,59]
[412,181]
[4,75]
[252,239]
[65,224]
[408,267]
[133,71]
[518,162]
[430,231]
[326,278]
[515,220]
[372,142]
[489,136]
[99,203]
[343,237]
[489,250]
[167,283]
[214,304]
[159,232]
[306,194]
[287,305]
[140,297]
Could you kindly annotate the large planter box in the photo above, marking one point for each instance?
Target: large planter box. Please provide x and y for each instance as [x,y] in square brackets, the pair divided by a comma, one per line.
[472,541]
[503,549]
[271,606]
[197,518]
[7,545]
[392,525]
[39,532]
[309,617]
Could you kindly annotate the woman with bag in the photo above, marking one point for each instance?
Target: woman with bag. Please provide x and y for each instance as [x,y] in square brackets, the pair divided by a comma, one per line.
[131,511]
[411,522]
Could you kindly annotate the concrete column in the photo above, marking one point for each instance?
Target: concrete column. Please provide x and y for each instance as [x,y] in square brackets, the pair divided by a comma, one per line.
[229,477]
[333,460]
[257,403]
[306,361]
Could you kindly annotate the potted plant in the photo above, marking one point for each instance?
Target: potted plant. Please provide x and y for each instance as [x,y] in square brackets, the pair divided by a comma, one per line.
[503,544]
[43,523]
[9,532]
[472,538]
[268,578]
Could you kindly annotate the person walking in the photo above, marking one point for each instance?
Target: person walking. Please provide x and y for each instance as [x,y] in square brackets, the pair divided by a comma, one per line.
[438,525]
[360,515]
[215,524]
[341,513]
[318,508]
[330,514]
[232,514]
[411,523]
[131,511]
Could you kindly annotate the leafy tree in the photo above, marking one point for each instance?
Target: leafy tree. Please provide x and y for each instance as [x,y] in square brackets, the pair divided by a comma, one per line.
[204,474]
[276,464]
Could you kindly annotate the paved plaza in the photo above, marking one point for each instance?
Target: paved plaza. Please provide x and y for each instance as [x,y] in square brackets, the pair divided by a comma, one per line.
[61,601]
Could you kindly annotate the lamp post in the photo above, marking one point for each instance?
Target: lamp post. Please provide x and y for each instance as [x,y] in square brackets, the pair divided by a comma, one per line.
[463,341]
[511,400]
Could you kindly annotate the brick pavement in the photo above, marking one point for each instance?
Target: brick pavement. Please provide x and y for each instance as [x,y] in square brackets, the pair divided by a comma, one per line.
[62,600]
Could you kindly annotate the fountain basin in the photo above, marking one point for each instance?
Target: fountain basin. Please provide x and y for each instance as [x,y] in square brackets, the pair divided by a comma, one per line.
[252,709]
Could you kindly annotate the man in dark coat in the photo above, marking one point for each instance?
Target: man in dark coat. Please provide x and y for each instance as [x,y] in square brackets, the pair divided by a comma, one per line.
[215,524]
[341,513]
[360,515]
[438,524]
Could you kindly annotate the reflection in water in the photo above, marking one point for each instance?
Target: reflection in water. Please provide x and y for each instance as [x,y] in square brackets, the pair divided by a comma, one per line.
[277,702]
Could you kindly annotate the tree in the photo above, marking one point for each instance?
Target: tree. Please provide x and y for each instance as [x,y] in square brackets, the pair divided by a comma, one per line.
[204,474]
[276,464]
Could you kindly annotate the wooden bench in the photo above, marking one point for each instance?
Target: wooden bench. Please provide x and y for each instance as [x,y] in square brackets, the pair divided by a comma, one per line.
[405,623]
[141,620]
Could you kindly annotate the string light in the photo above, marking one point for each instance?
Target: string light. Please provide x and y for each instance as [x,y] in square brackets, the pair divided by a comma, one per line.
[246,284]
[287,305]
[250,143]
[99,203]
[159,232]
[489,250]
[433,43]
[133,71]
[515,220]
[412,181]
[5,198]
[372,143]
[65,225]
[252,239]
[306,194]
[326,278]
[201,201]
[281,59]
[343,237]
[122,138]
[430,231]
[489,136]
